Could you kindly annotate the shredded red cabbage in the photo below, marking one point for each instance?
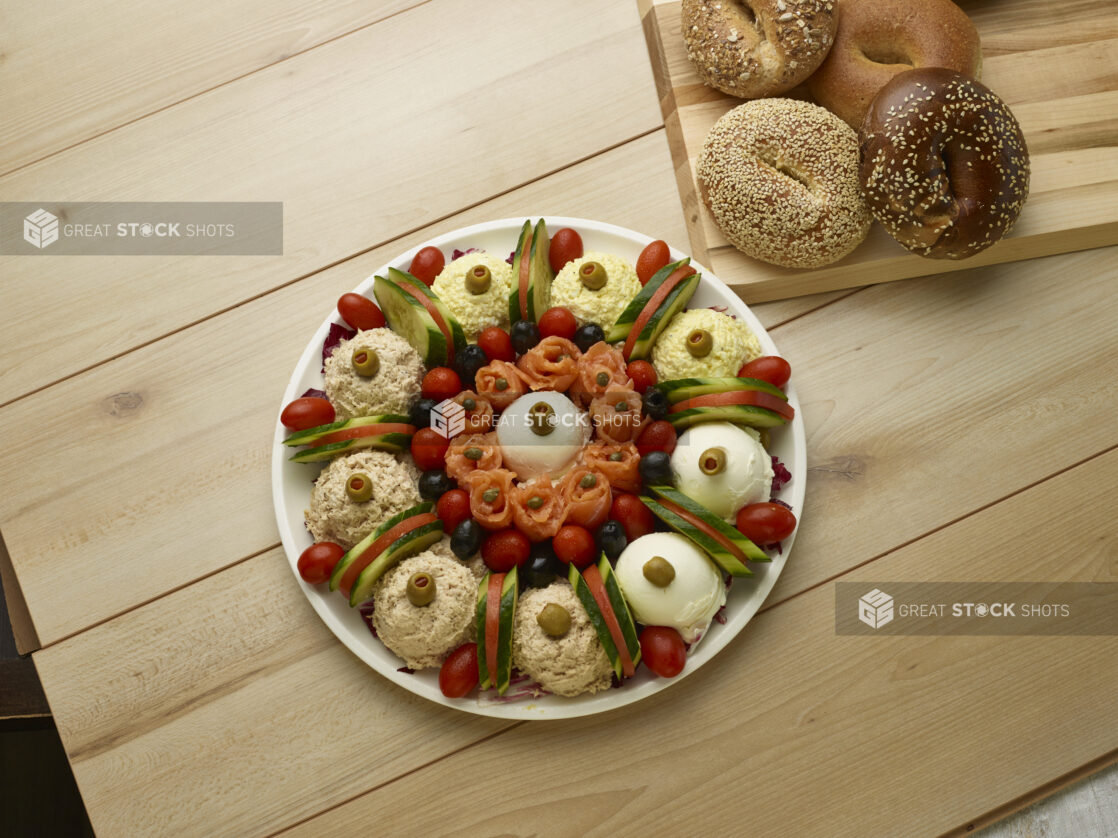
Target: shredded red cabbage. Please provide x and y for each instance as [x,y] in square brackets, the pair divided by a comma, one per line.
[781,475]
[720,616]
[313,394]
[723,310]
[365,609]
[406,669]
[336,335]
[787,506]
[512,257]
[457,254]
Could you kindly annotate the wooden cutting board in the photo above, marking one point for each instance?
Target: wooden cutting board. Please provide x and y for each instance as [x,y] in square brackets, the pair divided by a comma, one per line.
[1055,64]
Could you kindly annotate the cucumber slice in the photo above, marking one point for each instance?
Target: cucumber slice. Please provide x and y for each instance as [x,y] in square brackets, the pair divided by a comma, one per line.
[393,442]
[346,561]
[681,389]
[421,289]
[673,304]
[601,628]
[406,545]
[628,318]
[408,318]
[312,434]
[620,609]
[714,537]
[509,595]
[540,275]
[484,681]
[742,414]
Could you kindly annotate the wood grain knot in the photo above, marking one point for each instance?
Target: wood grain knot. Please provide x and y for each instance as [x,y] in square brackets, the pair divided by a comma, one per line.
[847,466]
[123,404]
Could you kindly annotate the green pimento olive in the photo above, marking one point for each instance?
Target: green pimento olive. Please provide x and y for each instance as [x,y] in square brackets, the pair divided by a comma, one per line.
[490,495]
[541,419]
[478,279]
[588,481]
[359,487]
[502,384]
[699,343]
[535,502]
[469,403]
[421,588]
[365,362]
[659,571]
[712,461]
[472,453]
[554,619]
[593,275]
[602,378]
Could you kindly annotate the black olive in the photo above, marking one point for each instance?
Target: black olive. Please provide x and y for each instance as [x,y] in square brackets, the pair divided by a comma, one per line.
[655,403]
[421,413]
[656,468]
[588,335]
[467,362]
[542,567]
[525,334]
[612,539]
[434,484]
[465,541]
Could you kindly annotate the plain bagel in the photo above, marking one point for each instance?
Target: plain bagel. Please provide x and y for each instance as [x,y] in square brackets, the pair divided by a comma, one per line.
[944,166]
[755,48]
[877,39]
[780,177]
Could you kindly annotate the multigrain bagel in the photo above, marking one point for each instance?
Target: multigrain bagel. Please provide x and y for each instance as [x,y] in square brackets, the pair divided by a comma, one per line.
[877,39]
[755,48]
[780,177]
[944,165]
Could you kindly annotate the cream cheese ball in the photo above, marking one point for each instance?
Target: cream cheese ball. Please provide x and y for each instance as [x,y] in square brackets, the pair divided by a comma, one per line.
[476,311]
[732,344]
[569,665]
[536,439]
[335,516]
[425,634]
[393,388]
[723,466]
[688,602]
[781,178]
[595,305]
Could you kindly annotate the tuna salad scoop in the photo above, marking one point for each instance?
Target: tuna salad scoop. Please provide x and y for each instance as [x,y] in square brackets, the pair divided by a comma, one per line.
[567,663]
[374,372]
[337,514]
[476,289]
[423,608]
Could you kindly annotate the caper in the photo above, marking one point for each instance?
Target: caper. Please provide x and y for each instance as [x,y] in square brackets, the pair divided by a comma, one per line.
[616,457]
[502,384]
[421,588]
[535,502]
[472,453]
[659,571]
[593,275]
[469,403]
[554,619]
[365,362]
[490,495]
[621,407]
[478,279]
[541,419]
[359,487]
[588,481]
[712,461]
[699,343]
[602,378]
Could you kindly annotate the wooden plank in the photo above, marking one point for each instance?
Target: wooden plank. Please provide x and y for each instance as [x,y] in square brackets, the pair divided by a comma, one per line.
[1064,92]
[62,79]
[228,708]
[880,734]
[364,139]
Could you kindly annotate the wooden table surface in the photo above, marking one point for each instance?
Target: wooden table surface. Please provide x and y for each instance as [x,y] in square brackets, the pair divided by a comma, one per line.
[960,427]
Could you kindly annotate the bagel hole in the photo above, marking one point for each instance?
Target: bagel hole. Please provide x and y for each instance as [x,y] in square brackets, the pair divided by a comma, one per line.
[748,14]
[790,173]
[887,54]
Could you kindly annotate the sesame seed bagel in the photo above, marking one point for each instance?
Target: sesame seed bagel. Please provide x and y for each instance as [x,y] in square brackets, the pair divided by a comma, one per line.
[877,39]
[944,166]
[755,48]
[780,177]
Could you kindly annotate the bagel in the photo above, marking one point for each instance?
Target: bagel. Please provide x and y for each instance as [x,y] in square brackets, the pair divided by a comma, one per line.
[944,165]
[756,48]
[780,177]
[877,39]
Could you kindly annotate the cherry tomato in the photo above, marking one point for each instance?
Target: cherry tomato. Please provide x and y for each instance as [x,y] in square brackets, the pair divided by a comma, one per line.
[663,650]
[360,312]
[634,516]
[643,375]
[765,523]
[459,673]
[558,321]
[428,449]
[770,368]
[506,549]
[496,344]
[566,245]
[317,562]
[654,256]
[574,545]
[427,264]
[307,412]
[657,436]
[441,383]
[453,508]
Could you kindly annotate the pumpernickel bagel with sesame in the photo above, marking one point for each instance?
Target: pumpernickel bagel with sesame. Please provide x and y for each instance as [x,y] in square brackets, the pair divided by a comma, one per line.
[780,177]
[877,39]
[944,165]
[755,48]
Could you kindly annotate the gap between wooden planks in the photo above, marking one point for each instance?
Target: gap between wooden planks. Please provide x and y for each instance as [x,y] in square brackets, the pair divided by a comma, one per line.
[162,710]
[364,138]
